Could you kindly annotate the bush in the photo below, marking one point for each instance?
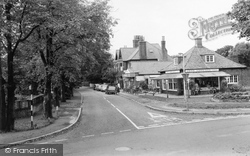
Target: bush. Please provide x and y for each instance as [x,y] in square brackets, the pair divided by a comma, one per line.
[236,88]
[143,85]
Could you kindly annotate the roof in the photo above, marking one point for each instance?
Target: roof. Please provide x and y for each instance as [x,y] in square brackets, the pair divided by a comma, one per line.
[125,53]
[194,59]
[153,52]
[148,67]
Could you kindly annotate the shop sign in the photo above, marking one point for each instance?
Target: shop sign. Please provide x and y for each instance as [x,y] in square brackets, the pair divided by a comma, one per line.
[201,70]
[211,28]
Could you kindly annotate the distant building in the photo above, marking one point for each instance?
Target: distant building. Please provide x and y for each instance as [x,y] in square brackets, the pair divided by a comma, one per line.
[204,67]
[140,62]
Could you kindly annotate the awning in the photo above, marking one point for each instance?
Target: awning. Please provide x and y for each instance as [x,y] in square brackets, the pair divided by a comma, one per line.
[193,75]
[208,74]
[140,78]
[169,76]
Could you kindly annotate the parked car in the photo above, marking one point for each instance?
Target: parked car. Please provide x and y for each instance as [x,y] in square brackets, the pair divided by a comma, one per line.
[104,87]
[110,90]
[96,86]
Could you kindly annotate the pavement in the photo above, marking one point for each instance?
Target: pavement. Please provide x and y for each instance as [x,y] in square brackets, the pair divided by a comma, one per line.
[165,106]
[70,113]
[68,116]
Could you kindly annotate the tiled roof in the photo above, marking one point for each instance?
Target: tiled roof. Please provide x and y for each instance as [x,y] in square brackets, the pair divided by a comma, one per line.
[153,52]
[194,59]
[148,67]
[125,53]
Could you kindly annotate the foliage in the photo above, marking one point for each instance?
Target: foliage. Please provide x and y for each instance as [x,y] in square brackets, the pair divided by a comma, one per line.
[240,14]
[223,85]
[224,51]
[232,96]
[236,88]
[143,85]
[242,50]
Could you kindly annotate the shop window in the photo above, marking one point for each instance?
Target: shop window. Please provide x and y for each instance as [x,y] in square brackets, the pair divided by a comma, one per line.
[157,83]
[172,84]
[209,58]
[232,79]
[164,85]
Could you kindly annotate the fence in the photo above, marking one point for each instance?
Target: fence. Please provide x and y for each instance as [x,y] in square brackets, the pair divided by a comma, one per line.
[22,107]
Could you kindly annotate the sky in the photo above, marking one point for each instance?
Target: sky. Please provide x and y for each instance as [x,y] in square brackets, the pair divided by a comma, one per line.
[156,18]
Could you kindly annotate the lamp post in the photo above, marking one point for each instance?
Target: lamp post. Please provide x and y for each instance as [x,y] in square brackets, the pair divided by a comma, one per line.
[185,75]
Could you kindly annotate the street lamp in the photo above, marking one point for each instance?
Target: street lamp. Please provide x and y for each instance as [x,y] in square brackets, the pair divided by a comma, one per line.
[185,76]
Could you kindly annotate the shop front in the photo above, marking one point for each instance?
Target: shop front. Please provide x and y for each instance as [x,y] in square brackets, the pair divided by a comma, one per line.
[196,83]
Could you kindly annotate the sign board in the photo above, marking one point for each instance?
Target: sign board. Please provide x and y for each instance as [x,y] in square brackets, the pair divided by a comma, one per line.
[211,28]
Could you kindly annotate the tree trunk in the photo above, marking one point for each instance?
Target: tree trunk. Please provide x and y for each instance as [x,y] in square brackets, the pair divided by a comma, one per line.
[63,87]
[56,92]
[2,103]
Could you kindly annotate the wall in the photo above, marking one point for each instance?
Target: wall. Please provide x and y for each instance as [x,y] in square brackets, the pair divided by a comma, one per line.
[243,76]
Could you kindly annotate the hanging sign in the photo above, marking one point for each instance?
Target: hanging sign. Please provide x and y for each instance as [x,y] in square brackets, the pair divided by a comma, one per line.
[211,28]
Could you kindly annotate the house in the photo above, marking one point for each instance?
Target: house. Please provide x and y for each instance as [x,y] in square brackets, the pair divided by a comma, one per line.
[140,62]
[203,67]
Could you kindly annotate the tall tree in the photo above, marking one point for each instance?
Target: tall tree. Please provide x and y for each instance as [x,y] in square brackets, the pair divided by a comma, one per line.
[16,28]
[224,51]
[240,15]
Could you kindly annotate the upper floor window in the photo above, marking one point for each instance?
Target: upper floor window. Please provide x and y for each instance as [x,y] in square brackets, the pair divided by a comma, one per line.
[209,58]
[175,61]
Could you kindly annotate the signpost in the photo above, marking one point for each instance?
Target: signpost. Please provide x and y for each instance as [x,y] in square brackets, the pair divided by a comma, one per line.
[31,108]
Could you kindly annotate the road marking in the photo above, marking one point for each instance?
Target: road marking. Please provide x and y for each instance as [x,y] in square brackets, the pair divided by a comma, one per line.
[127,130]
[128,119]
[155,115]
[224,135]
[107,133]
[87,136]
[61,140]
[43,143]
[123,114]
[245,132]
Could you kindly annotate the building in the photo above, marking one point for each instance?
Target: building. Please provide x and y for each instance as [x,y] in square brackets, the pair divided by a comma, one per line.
[140,62]
[204,67]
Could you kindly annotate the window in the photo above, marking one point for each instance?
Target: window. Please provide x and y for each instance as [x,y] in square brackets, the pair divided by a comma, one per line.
[209,58]
[176,61]
[157,83]
[232,79]
[121,68]
[172,84]
[164,85]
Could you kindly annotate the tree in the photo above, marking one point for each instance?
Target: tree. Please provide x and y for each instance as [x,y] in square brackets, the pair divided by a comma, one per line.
[16,27]
[240,14]
[242,51]
[224,51]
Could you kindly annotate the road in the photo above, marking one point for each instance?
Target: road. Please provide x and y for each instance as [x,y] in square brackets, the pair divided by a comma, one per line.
[114,125]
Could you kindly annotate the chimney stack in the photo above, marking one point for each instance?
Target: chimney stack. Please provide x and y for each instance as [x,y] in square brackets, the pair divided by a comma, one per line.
[142,50]
[198,42]
[164,50]
[137,39]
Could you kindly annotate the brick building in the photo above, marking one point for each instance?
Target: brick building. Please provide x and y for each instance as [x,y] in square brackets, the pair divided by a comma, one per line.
[140,62]
[204,67]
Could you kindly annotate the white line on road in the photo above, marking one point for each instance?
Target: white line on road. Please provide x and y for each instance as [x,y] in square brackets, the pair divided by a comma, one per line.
[107,133]
[224,135]
[43,143]
[128,119]
[127,130]
[245,132]
[61,140]
[87,136]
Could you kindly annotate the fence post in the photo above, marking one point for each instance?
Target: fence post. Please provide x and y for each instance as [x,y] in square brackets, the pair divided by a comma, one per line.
[31,109]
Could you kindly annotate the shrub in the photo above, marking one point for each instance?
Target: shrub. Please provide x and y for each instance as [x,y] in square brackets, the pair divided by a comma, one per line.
[236,88]
[143,85]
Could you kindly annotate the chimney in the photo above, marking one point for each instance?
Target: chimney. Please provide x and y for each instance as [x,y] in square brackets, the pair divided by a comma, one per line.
[137,39]
[142,50]
[164,50]
[198,42]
